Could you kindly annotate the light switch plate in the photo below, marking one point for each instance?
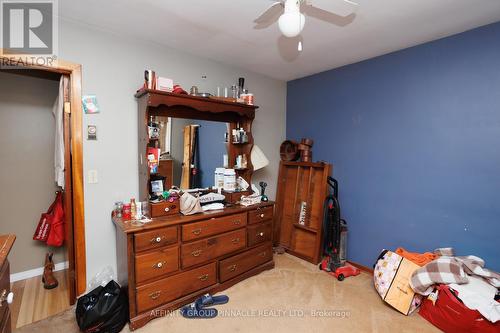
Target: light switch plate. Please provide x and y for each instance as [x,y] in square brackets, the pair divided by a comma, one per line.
[92,177]
[91,132]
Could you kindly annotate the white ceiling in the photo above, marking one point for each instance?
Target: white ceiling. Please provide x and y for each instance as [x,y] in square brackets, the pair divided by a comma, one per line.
[223,30]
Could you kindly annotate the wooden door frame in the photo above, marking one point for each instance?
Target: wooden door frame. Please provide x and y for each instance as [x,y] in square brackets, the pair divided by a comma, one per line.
[74,71]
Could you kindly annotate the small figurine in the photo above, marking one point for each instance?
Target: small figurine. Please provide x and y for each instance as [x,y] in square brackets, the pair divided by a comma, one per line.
[263,197]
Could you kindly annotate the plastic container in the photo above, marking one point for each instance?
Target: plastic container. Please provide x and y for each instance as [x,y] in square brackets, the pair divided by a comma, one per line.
[126,212]
[229,180]
[219,178]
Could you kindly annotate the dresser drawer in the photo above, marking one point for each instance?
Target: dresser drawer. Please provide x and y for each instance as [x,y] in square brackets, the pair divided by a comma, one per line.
[153,239]
[155,264]
[259,233]
[260,215]
[164,208]
[213,226]
[213,247]
[240,263]
[163,291]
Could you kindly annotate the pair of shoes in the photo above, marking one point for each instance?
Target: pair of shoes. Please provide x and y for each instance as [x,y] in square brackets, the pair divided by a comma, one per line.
[200,308]
[48,278]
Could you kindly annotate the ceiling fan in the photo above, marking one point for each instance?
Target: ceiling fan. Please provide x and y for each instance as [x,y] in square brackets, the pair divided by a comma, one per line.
[291,18]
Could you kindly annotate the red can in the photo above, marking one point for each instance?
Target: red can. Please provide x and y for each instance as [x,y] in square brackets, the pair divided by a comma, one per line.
[127,212]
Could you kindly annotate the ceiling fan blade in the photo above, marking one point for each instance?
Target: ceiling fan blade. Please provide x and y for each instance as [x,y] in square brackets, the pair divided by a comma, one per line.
[271,14]
[341,8]
[328,17]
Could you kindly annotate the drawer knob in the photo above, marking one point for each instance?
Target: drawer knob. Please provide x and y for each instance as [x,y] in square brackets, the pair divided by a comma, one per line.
[260,234]
[10,298]
[6,297]
[203,277]
[160,264]
[196,253]
[156,240]
[197,231]
[262,215]
[155,295]
[235,240]
[263,254]
[232,268]
[237,222]
[167,209]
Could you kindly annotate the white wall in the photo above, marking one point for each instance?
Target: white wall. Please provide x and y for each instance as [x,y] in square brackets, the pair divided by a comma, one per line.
[113,69]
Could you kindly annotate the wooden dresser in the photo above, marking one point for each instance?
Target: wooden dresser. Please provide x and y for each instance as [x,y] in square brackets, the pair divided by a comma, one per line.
[173,260]
[6,242]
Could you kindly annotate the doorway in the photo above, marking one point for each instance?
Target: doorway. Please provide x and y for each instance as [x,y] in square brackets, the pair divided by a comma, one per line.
[73,275]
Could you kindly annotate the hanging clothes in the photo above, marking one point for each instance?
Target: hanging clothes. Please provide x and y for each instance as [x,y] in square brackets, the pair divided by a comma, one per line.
[58,111]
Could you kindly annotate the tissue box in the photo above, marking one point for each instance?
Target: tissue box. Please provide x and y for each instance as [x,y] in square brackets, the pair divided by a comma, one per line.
[164,84]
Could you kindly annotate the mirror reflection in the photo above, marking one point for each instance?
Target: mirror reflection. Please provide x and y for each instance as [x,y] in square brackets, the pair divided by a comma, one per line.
[190,151]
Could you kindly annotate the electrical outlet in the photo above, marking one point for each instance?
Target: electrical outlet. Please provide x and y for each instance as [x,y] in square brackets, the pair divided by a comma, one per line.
[92,177]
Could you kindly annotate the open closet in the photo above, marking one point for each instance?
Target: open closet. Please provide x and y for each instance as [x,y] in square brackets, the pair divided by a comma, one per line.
[41,154]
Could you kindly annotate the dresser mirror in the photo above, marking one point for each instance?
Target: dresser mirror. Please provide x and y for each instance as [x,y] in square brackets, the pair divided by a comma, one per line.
[185,141]
[190,150]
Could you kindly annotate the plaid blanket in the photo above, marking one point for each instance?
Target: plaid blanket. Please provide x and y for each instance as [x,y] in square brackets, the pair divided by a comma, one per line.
[448,270]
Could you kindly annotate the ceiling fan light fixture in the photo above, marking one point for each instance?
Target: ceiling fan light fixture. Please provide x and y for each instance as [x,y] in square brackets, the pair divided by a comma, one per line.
[291,24]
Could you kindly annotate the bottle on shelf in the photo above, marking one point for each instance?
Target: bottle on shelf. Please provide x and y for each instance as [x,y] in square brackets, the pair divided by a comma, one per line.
[133,209]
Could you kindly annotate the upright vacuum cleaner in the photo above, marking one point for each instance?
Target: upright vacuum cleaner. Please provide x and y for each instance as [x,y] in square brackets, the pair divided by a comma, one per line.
[335,237]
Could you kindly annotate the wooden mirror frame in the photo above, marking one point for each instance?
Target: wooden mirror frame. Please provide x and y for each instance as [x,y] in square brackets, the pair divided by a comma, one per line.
[164,104]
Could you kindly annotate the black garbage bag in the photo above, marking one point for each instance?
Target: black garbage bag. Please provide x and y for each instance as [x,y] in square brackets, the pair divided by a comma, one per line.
[103,310]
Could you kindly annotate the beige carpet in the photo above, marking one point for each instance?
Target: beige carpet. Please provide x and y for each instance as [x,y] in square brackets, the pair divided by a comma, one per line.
[294,297]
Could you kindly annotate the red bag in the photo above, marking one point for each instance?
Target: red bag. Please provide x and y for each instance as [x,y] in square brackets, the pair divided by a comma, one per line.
[50,228]
[451,315]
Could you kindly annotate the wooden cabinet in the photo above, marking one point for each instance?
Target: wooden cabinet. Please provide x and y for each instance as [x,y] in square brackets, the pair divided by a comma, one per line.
[6,242]
[173,260]
[302,189]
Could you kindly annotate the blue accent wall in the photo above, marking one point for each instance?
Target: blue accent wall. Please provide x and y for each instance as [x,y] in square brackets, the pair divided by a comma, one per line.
[414,137]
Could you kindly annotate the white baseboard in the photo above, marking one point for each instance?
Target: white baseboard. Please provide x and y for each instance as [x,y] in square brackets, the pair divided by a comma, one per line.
[36,272]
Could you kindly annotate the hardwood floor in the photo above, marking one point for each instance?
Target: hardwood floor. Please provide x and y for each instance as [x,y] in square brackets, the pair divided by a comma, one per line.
[32,302]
